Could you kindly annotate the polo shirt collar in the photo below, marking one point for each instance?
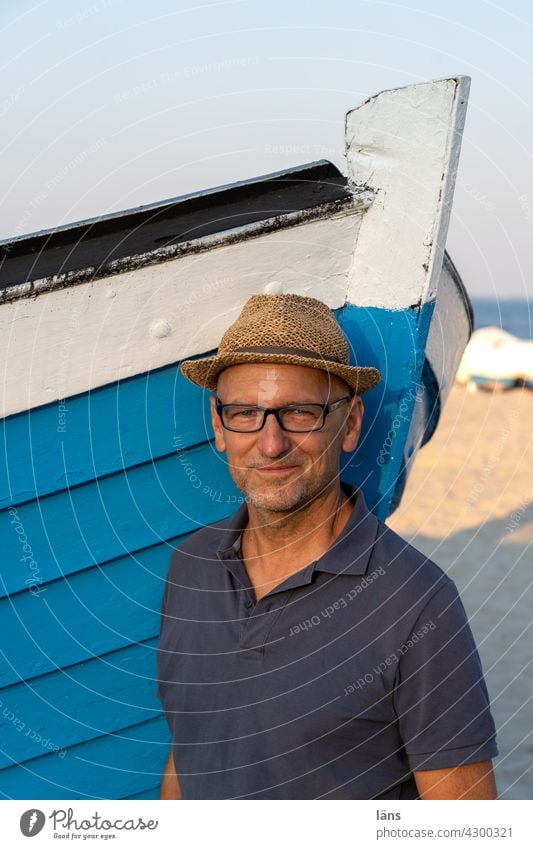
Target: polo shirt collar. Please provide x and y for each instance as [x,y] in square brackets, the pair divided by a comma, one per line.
[349,554]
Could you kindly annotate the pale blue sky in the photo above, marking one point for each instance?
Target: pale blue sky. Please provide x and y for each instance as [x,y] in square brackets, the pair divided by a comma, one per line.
[107,104]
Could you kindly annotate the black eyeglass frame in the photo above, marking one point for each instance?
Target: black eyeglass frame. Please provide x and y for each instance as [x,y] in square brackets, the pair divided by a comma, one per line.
[275,411]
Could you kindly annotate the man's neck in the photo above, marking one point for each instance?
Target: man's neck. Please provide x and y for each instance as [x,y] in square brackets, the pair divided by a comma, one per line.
[276,545]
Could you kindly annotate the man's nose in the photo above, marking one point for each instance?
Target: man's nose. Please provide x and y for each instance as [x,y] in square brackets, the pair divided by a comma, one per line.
[272,440]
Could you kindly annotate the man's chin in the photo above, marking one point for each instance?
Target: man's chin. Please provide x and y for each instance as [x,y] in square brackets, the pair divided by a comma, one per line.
[277,501]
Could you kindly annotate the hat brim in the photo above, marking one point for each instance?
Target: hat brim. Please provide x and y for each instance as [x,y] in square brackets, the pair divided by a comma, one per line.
[205,372]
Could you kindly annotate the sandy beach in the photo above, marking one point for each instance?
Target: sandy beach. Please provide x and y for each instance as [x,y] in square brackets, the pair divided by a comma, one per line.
[468,505]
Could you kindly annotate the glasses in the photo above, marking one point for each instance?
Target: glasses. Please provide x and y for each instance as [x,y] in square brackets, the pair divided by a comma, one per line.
[294,418]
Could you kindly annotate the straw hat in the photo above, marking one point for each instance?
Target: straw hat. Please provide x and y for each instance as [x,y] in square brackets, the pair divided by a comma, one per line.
[289,329]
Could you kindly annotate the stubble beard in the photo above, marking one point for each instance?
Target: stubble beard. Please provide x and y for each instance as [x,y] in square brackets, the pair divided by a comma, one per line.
[272,497]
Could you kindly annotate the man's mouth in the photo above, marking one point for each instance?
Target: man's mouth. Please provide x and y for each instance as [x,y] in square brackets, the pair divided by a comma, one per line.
[275,470]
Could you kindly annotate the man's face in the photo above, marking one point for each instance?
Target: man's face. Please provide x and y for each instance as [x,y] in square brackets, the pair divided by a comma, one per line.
[277,470]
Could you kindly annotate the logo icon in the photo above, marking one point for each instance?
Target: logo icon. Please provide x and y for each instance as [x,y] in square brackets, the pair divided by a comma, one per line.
[32,822]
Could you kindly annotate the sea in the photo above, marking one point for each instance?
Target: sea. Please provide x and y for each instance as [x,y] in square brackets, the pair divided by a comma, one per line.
[514,316]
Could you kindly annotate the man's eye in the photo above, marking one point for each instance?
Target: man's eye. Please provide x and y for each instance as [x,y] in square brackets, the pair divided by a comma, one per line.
[303,414]
[244,413]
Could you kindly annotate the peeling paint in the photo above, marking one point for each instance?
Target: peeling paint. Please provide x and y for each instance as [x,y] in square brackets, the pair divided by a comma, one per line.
[359,202]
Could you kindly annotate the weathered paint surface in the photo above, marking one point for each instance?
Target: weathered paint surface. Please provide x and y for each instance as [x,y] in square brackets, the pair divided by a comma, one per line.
[71,340]
[82,702]
[93,612]
[98,433]
[130,759]
[398,339]
[153,233]
[404,144]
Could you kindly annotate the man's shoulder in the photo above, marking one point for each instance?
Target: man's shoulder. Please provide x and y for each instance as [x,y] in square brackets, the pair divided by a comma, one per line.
[194,560]
[207,540]
[405,564]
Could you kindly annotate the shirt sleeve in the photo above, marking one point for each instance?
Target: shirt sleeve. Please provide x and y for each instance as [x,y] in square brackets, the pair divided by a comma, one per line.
[440,695]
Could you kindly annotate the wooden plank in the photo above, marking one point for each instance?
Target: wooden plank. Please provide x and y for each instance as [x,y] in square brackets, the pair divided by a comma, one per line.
[101,520]
[92,435]
[112,767]
[81,703]
[89,613]
[151,793]
[71,340]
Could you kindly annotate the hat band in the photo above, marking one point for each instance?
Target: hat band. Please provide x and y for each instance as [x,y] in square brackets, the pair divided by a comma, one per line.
[297,352]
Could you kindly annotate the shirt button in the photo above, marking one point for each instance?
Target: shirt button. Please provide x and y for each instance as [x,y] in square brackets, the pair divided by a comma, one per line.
[248,602]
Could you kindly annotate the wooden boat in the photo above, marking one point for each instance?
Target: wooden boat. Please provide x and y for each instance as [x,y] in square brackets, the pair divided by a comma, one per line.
[107,459]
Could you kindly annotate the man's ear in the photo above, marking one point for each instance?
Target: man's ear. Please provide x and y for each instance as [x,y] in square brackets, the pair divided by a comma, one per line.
[220,442]
[354,423]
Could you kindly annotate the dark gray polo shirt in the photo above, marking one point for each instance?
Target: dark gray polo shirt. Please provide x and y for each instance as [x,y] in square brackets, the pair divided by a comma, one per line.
[352,673]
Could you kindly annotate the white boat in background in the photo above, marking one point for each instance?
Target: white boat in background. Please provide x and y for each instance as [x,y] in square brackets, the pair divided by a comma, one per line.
[495,359]
[107,456]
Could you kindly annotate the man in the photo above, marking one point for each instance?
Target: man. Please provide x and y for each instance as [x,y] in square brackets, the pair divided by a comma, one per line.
[306,650]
